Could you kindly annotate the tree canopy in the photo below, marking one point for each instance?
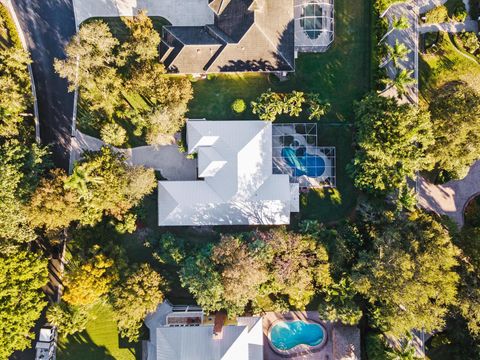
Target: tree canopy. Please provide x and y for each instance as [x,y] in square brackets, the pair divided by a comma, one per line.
[408,274]
[134,297]
[22,276]
[455,110]
[392,143]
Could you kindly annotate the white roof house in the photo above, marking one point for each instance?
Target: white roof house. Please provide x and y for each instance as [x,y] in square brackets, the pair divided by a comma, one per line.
[236,185]
[243,341]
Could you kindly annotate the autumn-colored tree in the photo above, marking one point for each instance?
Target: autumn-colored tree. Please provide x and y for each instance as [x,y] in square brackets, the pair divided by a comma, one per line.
[298,265]
[88,282]
[52,205]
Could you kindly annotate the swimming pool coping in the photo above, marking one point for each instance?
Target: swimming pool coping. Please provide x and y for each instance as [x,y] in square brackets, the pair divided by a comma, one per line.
[300,349]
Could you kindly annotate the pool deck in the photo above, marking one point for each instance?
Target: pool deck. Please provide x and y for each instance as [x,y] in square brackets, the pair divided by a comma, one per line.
[343,342]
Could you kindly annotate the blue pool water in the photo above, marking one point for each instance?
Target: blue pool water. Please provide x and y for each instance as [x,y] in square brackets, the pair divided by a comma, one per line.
[288,334]
[303,164]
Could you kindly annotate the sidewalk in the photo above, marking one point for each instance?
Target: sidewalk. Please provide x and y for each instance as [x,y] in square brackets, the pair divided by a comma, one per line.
[451,27]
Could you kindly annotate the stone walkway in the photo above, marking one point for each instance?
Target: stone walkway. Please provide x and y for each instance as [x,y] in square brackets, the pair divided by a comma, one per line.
[450,198]
[172,164]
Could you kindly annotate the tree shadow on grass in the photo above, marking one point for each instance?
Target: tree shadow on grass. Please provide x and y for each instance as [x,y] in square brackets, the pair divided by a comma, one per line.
[81,347]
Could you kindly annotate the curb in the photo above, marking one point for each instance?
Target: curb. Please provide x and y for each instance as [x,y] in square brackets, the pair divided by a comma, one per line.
[13,14]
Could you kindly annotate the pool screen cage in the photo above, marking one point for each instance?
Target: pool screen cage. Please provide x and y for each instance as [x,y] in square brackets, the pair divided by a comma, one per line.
[295,152]
[314,25]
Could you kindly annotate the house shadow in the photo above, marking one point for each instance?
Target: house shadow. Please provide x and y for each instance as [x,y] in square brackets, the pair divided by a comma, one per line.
[80,347]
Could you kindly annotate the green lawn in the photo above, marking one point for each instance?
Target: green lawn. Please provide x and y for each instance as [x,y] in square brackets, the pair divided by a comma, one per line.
[341,75]
[446,64]
[99,341]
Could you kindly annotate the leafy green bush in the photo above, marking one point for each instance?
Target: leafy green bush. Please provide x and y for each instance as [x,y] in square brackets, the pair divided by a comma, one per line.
[437,15]
[460,13]
[113,134]
[239,106]
[469,41]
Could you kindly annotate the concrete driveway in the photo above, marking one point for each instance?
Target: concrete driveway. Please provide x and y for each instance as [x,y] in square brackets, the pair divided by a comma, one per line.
[177,12]
[172,164]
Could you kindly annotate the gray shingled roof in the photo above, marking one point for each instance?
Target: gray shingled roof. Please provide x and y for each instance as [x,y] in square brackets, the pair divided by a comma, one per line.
[248,35]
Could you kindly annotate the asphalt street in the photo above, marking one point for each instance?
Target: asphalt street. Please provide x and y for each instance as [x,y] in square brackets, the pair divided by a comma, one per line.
[48,25]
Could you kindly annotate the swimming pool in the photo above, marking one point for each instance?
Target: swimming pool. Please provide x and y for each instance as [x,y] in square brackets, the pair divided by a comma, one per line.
[286,335]
[303,163]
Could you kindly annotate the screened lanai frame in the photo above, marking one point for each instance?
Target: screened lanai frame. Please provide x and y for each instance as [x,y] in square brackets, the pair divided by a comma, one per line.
[314,25]
[305,134]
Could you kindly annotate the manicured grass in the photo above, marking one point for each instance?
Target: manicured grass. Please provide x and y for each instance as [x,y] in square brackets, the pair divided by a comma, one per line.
[445,65]
[99,341]
[341,75]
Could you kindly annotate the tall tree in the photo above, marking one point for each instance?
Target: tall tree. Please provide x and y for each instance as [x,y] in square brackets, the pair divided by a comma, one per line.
[298,265]
[15,97]
[408,275]
[469,289]
[396,53]
[226,275]
[90,65]
[144,40]
[88,282]
[402,80]
[455,110]
[52,205]
[20,166]
[392,141]
[108,186]
[136,296]
[22,276]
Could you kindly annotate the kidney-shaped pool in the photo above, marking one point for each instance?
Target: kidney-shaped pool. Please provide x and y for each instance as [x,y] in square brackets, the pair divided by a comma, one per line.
[287,335]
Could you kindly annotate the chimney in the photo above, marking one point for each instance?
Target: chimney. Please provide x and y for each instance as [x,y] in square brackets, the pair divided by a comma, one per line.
[220,318]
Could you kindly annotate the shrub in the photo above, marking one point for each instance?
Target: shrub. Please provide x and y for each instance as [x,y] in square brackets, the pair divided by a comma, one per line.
[113,134]
[460,12]
[239,106]
[469,41]
[437,15]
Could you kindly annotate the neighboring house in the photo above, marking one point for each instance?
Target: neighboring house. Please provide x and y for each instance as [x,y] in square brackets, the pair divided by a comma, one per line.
[185,333]
[249,35]
[236,185]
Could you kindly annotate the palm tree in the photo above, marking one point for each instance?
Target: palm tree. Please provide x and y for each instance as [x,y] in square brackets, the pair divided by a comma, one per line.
[79,179]
[396,53]
[401,81]
[400,23]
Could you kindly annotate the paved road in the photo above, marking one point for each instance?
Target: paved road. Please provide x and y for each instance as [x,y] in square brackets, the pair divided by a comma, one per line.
[48,25]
